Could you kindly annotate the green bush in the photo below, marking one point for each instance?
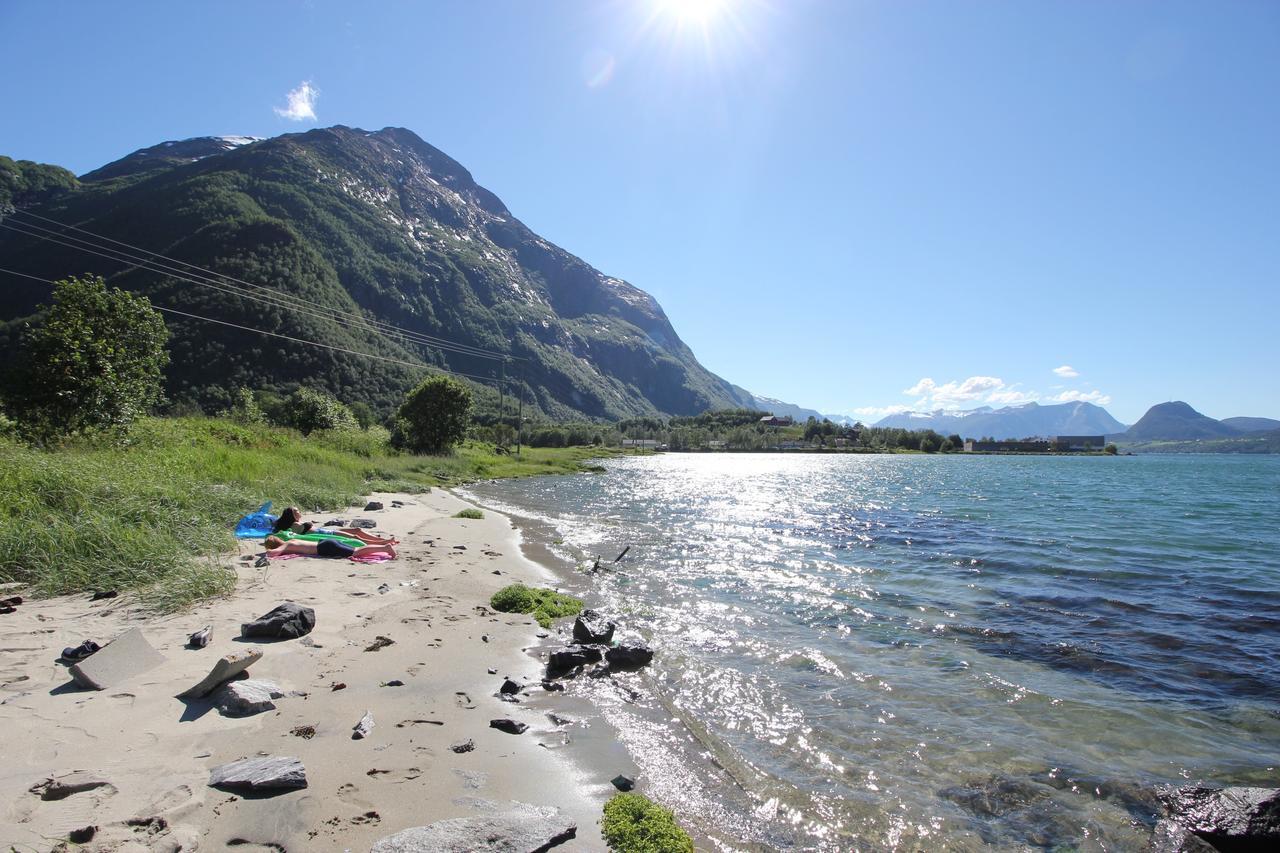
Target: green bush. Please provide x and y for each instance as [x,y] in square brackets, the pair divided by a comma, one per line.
[434,416]
[633,823]
[311,410]
[469,513]
[541,603]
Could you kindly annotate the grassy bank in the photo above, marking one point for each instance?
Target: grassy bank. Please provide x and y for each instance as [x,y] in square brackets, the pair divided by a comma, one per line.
[157,516]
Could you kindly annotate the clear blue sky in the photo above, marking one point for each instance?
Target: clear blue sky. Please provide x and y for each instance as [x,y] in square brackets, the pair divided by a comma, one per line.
[832,200]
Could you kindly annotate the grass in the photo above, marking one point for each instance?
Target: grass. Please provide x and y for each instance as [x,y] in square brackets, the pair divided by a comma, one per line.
[543,604]
[157,516]
[469,513]
[633,823]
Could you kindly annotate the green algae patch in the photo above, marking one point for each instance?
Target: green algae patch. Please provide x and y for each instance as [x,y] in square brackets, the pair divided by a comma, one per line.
[541,603]
[633,823]
[469,513]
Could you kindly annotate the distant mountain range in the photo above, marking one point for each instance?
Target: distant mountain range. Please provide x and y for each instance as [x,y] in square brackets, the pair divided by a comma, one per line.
[1029,419]
[1178,422]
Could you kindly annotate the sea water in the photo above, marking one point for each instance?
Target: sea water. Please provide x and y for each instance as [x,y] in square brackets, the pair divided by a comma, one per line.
[932,652]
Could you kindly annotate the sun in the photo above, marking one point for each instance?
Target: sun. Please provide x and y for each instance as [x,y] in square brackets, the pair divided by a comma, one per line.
[701,13]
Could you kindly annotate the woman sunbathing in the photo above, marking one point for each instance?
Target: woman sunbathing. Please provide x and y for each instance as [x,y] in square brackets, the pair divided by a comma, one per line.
[290,521]
[277,547]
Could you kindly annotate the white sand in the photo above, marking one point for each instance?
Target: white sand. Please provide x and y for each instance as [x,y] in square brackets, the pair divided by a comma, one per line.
[156,750]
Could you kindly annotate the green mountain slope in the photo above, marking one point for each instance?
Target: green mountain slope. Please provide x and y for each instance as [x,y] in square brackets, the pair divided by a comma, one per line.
[376,225]
[1176,421]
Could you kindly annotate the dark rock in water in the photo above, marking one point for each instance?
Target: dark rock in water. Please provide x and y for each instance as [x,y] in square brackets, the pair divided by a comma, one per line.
[629,654]
[573,656]
[373,506]
[1141,802]
[463,746]
[1226,818]
[526,830]
[363,523]
[591,627]
[509,686]
[512,727]
[623,783]
[551,685]
[260,774]
[288,621]
[996,796]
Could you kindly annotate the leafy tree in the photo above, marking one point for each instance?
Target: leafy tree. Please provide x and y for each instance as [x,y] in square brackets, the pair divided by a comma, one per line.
[956,441]
[1111,450]
[94,365]
[364,414]
[310,410]
[433,416]
[245,408]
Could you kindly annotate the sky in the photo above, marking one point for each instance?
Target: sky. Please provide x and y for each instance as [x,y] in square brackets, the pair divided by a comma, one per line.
[855,206]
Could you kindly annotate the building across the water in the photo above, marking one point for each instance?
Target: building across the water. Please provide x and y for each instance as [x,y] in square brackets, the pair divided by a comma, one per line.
[1057,444]
[1078,443]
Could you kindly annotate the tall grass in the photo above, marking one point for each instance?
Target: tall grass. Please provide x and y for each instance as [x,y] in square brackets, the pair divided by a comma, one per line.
[157,516]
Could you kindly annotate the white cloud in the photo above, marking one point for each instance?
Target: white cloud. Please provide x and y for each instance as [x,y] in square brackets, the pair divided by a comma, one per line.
[880,411]
[1066,371]
[1081,397]
[954,392]
[302,103]
[1011,396]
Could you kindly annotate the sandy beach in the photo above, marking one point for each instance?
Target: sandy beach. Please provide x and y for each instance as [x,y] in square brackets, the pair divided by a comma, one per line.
[154,751]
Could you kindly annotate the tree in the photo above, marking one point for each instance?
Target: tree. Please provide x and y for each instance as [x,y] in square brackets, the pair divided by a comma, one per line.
[310,410]
[1111,449]
[95,363]
[433,416]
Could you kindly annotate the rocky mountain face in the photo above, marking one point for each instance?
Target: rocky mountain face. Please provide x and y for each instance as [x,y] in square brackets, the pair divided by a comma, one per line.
[372,226]
[1030,419]
[1177,421]
[1245,426]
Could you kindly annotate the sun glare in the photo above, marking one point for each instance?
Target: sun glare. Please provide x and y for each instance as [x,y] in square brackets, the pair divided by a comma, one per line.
[692,12]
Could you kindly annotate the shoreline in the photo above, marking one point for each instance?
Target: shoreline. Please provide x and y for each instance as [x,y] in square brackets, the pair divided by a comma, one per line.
[154,752]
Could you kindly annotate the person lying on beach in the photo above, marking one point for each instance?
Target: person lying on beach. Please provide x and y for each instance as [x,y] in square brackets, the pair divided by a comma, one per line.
[290,521]
[350,536]
[277,547]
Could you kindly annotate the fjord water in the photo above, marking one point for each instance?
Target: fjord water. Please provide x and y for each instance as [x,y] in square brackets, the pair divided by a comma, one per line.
[933,652]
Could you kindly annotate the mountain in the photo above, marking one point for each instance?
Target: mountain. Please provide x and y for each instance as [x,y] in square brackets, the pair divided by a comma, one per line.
[1029,419]
[779,408]
[1176,421]
[379,227]
[1252,425]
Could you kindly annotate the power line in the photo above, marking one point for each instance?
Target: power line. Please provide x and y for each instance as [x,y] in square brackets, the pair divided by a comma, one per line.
[285,337]
[222,282]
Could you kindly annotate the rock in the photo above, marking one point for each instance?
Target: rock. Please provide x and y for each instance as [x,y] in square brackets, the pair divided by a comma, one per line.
[623,783]
[244,698]
[573,656]
[463,746]
[373,506]
[397,504]
[61,787]
[201,638]
[591,627]
[484,638]
[528,830]
[1226,818]
[493,670]
[997,795]
[363,523]
[106,593]
[395,682]
[547,684]
[363,728]
[336,522]
[558,720]
[338,685]
[629,655]
[83,835]
[255,774]
[509,697]
[228,667]
[124,657]
[287,621]
[511,727]
[509,686]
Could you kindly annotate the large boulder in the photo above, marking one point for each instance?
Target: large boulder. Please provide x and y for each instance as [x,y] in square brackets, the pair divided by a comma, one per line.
[526,830]
[592,627]
[562,660]
[243,698]
[1225,818]
[254,774]
[287,621]
[629,655]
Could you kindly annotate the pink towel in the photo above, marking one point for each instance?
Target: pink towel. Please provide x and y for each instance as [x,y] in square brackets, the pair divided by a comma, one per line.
[283,556]
[371,558]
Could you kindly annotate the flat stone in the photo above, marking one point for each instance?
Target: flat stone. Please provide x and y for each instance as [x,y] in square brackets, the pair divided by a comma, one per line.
[363,523]
[527,830]
[61,787]
[363,728]
[286,621]
[255,774]
[124,657]
[511,727]
[243,698]
[228,667]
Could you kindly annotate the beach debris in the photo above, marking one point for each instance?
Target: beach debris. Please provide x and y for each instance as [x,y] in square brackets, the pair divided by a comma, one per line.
[562,660]
[304,732]
[201,638]
[511,727]
[373,506]
[509,697]
[83,835]
[459,547]
[229,666]
[623,783]
[287,621]
[463,746]
[11,601]
[403,723]
[8,608]
[379,642]
[629,655]
[558,720]
[102,594]
[509,686]
[61,787]
[527,828]
[395,682]
[363,523]
[493,670]
[397,504]
[258,774]
[592,627]
[384,588]
[261,561]
[484,638]
[80,652]
[247,697]
[124,657]
[363,728]
[1226,818]
[623,554]
[338,685]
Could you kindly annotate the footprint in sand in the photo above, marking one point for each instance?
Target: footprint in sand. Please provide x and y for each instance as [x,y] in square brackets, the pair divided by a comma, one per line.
[123,699]
[464,701]
[350,795]
[396,775]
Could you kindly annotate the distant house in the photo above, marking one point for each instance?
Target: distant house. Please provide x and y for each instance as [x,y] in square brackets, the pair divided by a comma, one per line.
[642,443]
[717,444]
[1029,446]
[775,421]
[1078,443]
